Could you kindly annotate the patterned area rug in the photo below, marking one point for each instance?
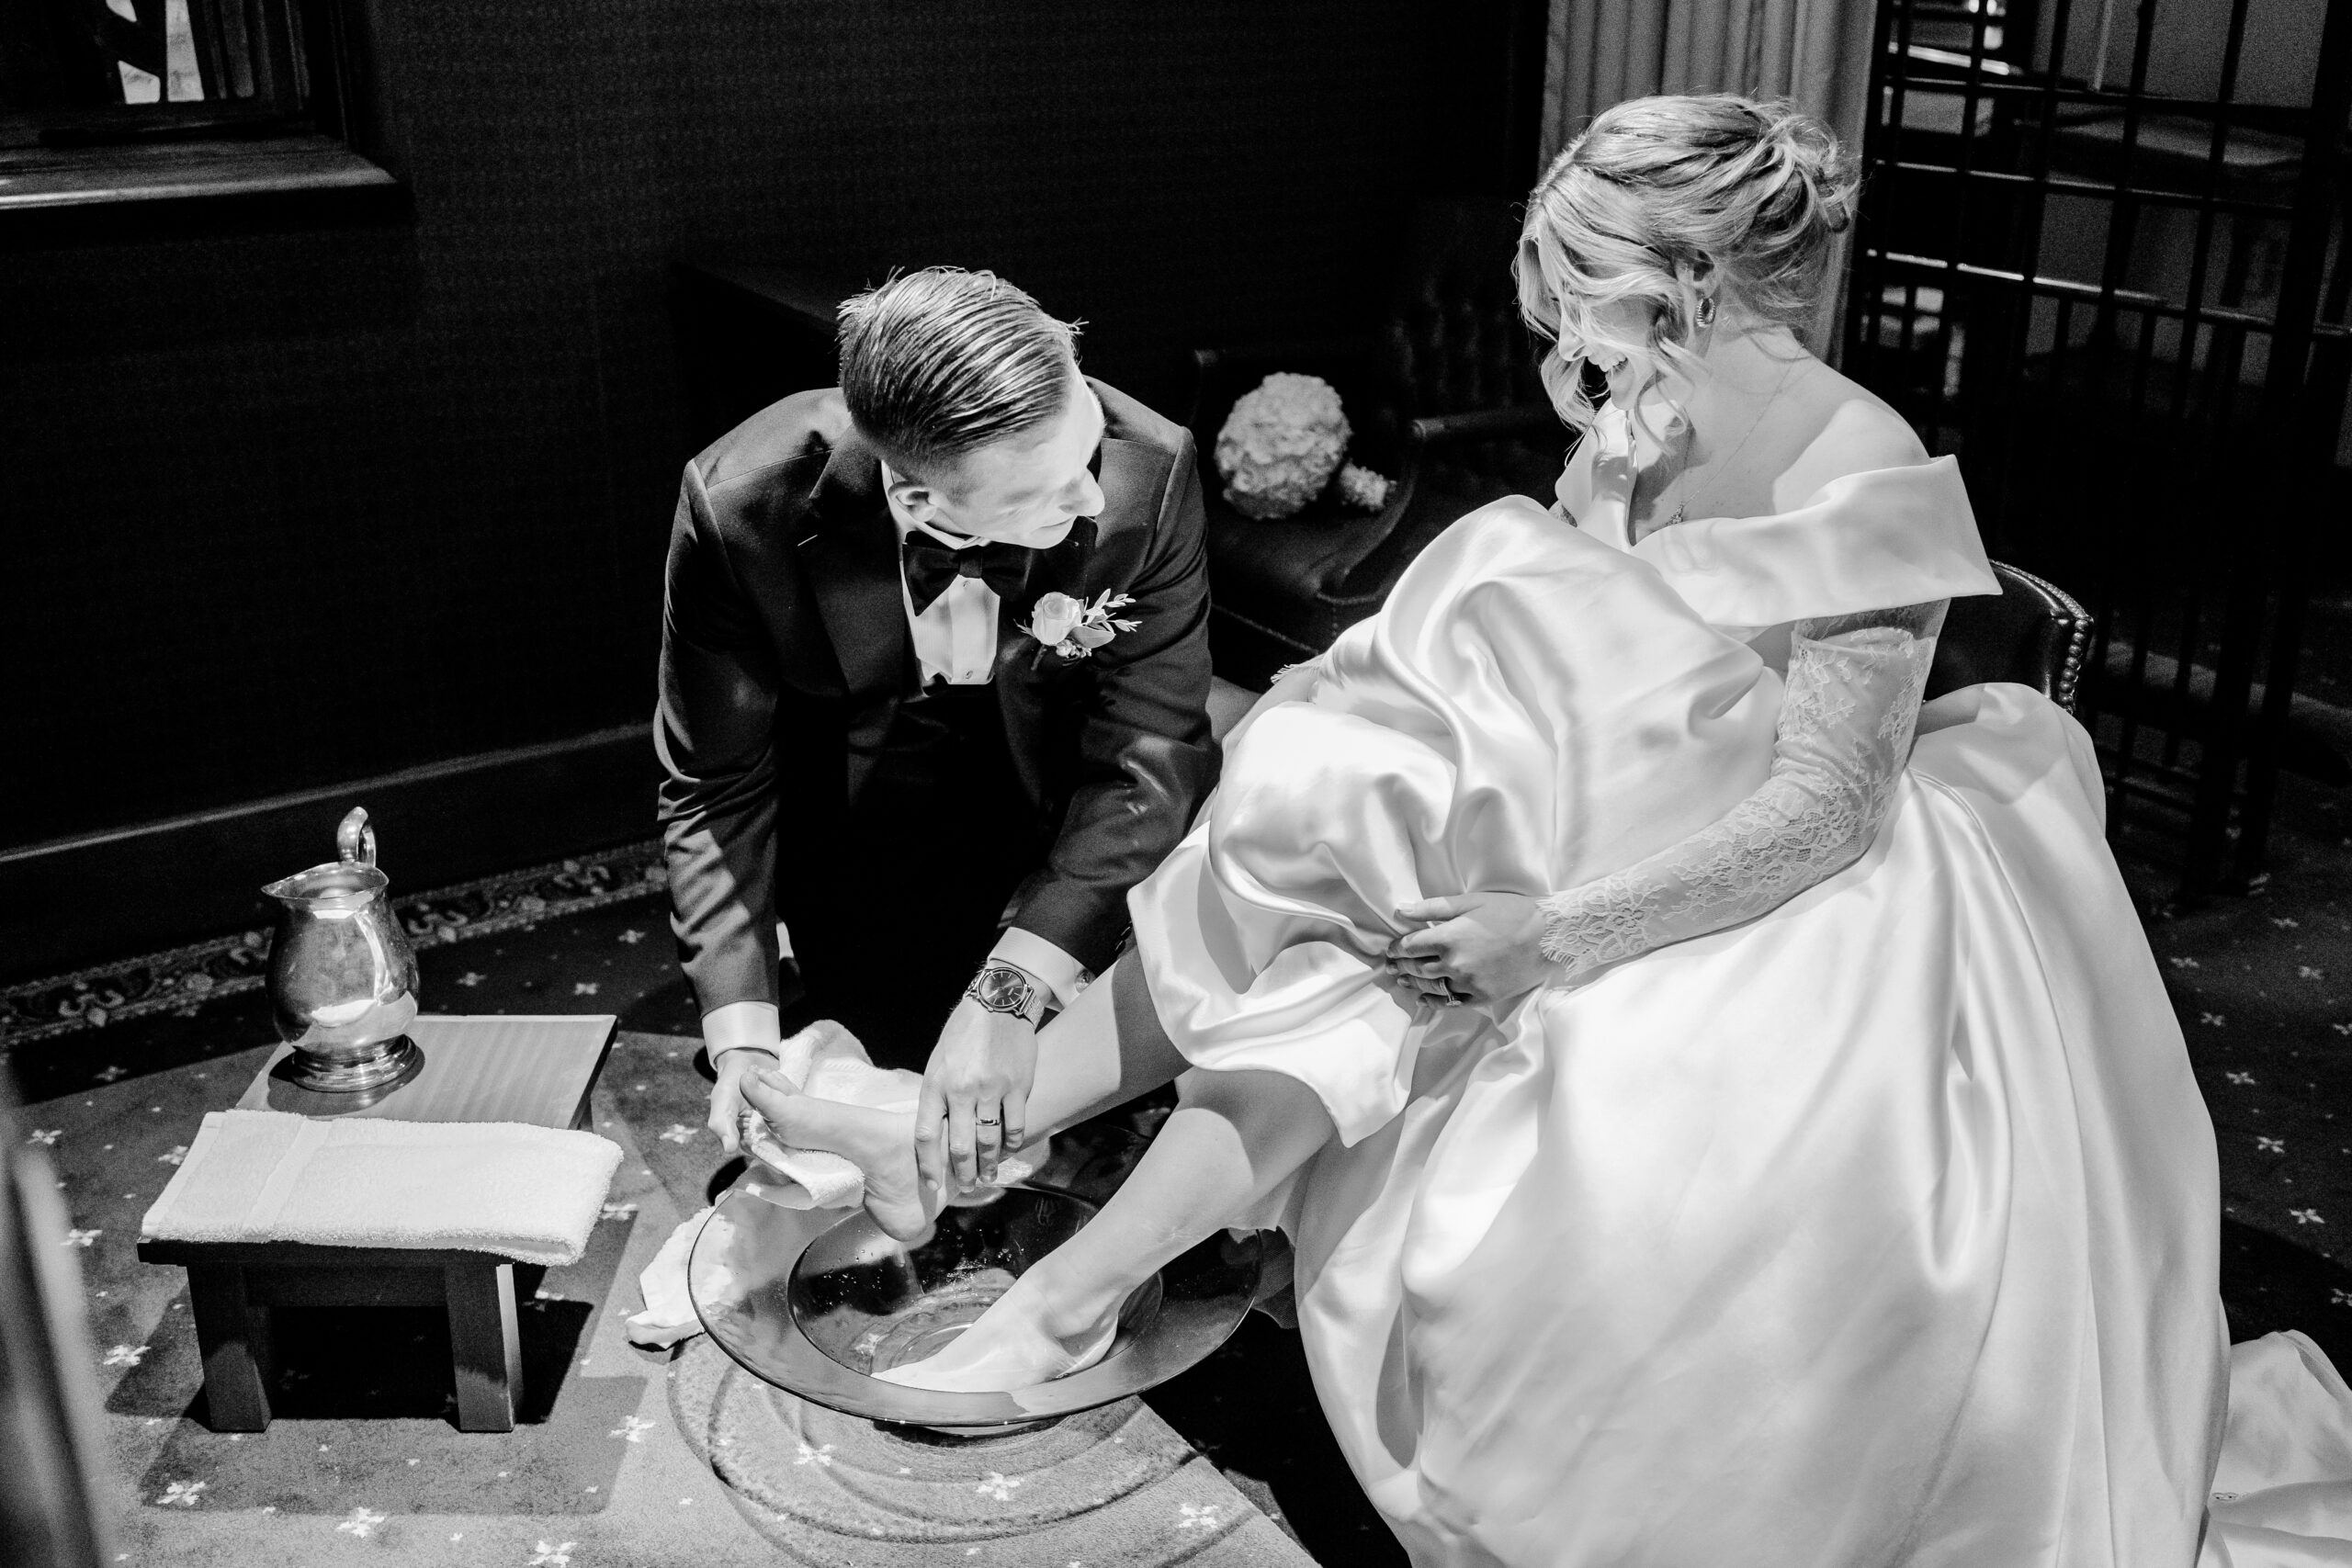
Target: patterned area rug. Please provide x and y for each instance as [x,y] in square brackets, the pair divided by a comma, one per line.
[118,1064]
[2262,982]
[181,979]
[2263,987]
[363,1462]
[362,1457]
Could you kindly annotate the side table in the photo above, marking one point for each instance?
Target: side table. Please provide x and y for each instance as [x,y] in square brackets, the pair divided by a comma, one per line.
[537,1070]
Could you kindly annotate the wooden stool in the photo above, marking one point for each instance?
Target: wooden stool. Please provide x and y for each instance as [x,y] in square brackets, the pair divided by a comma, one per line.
[534,1070]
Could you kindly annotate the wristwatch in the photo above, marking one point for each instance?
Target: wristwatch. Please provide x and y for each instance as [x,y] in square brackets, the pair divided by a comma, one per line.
[999,987]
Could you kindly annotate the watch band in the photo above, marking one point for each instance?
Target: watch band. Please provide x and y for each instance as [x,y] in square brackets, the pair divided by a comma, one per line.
[999,987]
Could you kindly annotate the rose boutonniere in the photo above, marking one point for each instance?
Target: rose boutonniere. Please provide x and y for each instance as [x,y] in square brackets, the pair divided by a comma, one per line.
[1074,628]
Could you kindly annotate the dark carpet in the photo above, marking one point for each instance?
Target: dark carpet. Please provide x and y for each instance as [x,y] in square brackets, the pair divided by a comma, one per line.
[2262,982]
[117,1064]
[362,1457]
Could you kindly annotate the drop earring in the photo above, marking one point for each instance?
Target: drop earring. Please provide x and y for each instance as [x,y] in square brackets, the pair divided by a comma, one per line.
[1707,312]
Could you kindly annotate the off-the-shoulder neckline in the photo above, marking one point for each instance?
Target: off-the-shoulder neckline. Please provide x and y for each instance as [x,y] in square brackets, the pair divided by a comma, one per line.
[1935,465]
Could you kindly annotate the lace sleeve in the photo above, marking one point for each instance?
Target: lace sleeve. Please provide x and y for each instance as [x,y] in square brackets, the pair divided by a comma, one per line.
[1847,716]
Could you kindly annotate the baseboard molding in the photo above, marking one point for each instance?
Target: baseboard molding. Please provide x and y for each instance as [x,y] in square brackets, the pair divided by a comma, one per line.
[73,902]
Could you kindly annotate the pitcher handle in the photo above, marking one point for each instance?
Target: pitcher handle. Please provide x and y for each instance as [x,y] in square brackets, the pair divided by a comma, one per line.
[354,840]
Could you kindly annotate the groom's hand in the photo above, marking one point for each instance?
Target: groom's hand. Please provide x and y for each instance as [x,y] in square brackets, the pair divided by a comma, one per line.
[1480,947]
[976,1086]
[732,1070]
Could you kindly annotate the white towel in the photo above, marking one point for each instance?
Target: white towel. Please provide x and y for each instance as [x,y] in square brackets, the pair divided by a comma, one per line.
[830,1063]
[528,1194]
[827,1062]
[669,1315]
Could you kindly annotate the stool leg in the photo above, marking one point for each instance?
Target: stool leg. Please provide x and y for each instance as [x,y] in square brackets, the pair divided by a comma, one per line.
[485,1346]
[232,1335]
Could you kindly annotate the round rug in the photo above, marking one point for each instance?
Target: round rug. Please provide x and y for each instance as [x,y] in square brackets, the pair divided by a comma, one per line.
[1113,1484]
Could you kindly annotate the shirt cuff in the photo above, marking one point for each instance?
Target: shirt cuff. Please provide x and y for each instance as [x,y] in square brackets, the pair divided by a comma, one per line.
[753,1025]
[1062,975]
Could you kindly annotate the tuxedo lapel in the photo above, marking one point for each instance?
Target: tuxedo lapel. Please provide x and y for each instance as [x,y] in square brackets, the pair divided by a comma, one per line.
[1021,659]
[852,564]
[1062,569]
[1130,484]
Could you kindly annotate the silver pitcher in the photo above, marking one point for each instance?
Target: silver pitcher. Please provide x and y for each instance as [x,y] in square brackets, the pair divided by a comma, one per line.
[342,974]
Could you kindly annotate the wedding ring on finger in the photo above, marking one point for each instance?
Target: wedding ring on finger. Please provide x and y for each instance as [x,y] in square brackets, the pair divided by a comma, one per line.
[1442,991]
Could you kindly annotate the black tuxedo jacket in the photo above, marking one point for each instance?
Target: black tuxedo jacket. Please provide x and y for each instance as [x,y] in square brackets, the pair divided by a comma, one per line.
[786,654]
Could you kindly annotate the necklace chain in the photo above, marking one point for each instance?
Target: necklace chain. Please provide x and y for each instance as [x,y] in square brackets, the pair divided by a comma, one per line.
[1682,512]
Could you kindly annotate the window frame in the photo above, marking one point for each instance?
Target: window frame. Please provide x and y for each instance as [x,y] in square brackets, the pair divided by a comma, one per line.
[334,148]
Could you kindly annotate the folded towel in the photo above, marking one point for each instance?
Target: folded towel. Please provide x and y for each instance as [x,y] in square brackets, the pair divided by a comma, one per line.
[528,1194]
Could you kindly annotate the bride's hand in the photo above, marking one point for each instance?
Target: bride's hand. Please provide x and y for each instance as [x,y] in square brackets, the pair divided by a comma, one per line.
[1480,947]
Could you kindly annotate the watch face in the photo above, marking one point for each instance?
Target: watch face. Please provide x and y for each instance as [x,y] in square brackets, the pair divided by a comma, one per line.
[1001,989]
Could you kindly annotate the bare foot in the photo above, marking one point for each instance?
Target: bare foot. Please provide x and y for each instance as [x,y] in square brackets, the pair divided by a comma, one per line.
[879,1142]
[1017,1343]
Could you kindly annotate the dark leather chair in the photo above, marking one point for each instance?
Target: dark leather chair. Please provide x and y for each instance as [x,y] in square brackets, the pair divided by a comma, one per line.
[2033,633]
[1281,590]
[1444,400]
[55,1494]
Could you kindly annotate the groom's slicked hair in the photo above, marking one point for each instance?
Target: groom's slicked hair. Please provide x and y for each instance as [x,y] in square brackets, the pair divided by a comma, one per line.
[941,362]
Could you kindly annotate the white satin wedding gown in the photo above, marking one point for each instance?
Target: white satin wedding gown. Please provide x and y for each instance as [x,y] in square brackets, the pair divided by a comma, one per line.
[1878,1229]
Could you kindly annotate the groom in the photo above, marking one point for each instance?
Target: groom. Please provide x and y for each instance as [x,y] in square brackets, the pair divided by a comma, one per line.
[935,667]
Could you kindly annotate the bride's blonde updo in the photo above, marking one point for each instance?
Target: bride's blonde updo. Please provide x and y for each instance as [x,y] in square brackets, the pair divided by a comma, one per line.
[1654,192]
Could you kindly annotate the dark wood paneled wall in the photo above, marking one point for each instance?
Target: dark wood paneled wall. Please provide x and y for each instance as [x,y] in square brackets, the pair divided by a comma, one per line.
[286,498]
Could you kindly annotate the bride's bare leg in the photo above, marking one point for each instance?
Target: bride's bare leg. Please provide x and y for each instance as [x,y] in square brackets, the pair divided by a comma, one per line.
[1104,1050]
[1233,1137]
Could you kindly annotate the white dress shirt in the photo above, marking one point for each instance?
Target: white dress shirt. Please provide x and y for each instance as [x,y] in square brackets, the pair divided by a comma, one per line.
[955,640]
[956,634]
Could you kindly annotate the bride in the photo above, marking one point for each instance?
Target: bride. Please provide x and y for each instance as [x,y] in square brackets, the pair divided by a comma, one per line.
[1724,1110]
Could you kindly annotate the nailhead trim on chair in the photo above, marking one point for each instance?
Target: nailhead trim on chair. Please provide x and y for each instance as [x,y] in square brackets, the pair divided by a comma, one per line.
[2074,622]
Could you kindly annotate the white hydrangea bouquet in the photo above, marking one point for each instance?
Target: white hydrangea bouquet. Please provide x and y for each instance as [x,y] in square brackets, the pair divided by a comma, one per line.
[1281,445]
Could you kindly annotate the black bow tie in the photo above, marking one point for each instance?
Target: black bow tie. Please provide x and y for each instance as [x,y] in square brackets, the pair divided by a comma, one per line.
[931,566]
